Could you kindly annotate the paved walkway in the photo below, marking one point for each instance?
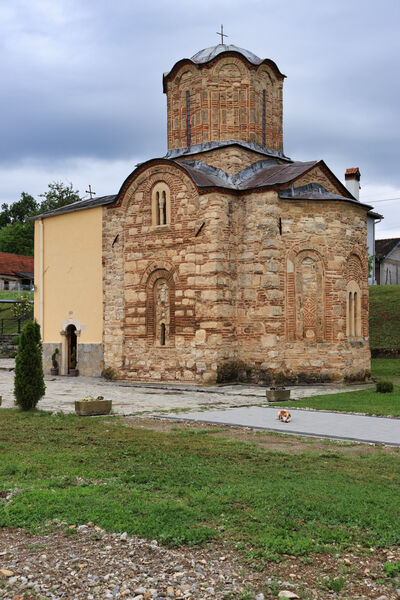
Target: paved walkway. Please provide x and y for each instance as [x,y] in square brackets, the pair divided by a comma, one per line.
[239,404]
[358,428]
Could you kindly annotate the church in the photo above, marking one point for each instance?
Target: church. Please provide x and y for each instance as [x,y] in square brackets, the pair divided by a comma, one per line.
[222,260]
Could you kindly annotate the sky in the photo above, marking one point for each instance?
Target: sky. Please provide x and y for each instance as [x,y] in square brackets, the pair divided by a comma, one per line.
[81,86]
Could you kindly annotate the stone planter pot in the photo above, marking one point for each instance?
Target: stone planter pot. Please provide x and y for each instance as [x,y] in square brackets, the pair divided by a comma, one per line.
[92,408]
[278,395]
[73,372]
[54,371]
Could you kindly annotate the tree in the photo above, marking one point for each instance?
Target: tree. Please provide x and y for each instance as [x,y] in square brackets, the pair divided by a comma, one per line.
[58,195]
[17,238]
[29,384]
[16,224]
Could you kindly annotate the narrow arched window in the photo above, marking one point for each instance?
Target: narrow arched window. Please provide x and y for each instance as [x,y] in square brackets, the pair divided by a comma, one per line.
[351,314]
[160,204]
[353,311]
[162,334]
[158,210]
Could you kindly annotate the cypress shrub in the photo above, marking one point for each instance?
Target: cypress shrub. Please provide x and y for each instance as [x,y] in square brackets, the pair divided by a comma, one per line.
[29,380]
[384,387]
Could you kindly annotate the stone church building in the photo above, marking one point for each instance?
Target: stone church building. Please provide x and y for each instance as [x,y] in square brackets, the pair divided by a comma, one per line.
[222,259]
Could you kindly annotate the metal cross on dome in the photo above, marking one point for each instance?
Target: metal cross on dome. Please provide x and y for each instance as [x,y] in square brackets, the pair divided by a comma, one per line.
[222,34]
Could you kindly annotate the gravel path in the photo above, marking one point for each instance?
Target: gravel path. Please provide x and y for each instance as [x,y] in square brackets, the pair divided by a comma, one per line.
[76,563]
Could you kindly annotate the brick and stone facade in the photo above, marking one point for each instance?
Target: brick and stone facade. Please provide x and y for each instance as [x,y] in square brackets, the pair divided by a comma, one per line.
[226,259]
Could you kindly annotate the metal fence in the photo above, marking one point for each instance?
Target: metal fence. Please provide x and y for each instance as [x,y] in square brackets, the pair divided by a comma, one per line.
[10,326]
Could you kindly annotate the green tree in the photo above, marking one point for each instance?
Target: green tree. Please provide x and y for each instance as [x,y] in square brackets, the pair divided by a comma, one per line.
[29,384]
[19,211]
[16,224]
[58,195]
[17,238]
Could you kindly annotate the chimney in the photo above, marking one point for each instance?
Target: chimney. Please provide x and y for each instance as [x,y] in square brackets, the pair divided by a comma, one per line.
[352,178]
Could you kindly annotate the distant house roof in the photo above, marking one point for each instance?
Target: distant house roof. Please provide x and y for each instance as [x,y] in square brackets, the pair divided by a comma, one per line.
[16,265]
[385,247]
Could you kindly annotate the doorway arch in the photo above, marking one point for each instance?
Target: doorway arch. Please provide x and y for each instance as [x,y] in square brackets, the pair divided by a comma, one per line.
[72,346]
[70,332]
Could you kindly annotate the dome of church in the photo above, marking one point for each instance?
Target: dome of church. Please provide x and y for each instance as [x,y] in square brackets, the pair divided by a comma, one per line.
[207,54]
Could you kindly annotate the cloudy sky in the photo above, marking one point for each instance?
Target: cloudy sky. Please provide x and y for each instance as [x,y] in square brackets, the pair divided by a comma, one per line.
[81,97]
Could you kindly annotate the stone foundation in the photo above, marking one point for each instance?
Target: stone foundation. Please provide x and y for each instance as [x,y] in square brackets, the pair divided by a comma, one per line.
[90,358]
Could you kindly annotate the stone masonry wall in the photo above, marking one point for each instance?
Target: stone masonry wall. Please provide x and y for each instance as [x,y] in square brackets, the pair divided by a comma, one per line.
[251,280]
[187,256]
[225,99]
[291,304]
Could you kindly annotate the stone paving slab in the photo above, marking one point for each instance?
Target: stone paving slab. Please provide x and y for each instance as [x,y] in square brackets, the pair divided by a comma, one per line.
[359,428]
[132,398]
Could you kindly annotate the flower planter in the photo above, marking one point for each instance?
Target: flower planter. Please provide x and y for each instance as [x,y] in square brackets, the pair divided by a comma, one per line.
[84,408]
[54,371]
[73,372]
[278,395]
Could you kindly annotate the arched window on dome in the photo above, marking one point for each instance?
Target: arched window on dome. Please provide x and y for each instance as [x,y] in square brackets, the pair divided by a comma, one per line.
[160,204]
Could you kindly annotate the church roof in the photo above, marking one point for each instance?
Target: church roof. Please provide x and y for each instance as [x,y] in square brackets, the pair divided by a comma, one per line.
[80,205]
[208,54]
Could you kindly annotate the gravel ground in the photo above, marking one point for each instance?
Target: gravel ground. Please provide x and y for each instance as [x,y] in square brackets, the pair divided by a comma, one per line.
[85,562]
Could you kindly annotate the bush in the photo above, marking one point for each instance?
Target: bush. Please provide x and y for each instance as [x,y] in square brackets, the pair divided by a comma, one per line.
[15,340]
[384,387]
[54,361]
[109,374]
[29,381]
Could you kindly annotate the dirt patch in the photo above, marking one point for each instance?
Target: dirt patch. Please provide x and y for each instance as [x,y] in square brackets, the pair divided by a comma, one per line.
[269,440]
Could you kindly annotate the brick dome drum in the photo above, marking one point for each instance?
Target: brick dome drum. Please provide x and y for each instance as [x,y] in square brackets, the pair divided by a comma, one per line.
[224,93]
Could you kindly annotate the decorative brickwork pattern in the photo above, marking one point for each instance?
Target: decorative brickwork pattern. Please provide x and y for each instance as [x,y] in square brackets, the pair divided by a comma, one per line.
[226,103]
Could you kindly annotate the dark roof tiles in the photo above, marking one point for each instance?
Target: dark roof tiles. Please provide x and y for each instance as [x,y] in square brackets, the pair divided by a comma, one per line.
[384,247]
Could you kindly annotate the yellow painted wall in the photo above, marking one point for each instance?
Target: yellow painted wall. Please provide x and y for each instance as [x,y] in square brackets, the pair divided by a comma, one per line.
[72,274]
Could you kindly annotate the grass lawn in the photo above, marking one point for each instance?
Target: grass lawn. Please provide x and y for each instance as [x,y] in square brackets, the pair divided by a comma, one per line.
[189,486]
[384,316]
[386,368]
[365,401]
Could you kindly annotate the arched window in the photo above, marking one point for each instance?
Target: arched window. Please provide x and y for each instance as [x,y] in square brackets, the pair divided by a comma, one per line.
[160,204]
[353,311]
[162,334]
[162,311]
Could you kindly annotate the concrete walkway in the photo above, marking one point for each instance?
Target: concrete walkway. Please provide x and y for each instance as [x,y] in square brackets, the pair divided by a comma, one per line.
[238,404]
[358,428]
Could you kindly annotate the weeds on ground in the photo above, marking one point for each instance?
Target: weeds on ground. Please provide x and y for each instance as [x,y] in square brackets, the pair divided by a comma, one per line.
[186,487]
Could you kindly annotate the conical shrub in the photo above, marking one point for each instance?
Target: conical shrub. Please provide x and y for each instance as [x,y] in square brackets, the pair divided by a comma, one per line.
[29,384]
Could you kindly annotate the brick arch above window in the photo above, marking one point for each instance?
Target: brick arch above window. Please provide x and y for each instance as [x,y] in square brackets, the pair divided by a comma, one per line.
[354,268]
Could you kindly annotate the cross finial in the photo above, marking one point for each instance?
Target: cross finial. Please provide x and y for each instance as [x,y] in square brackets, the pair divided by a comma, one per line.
[222,34]
[89,191]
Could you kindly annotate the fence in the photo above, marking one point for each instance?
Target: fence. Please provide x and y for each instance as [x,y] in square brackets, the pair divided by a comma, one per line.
[11,326]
